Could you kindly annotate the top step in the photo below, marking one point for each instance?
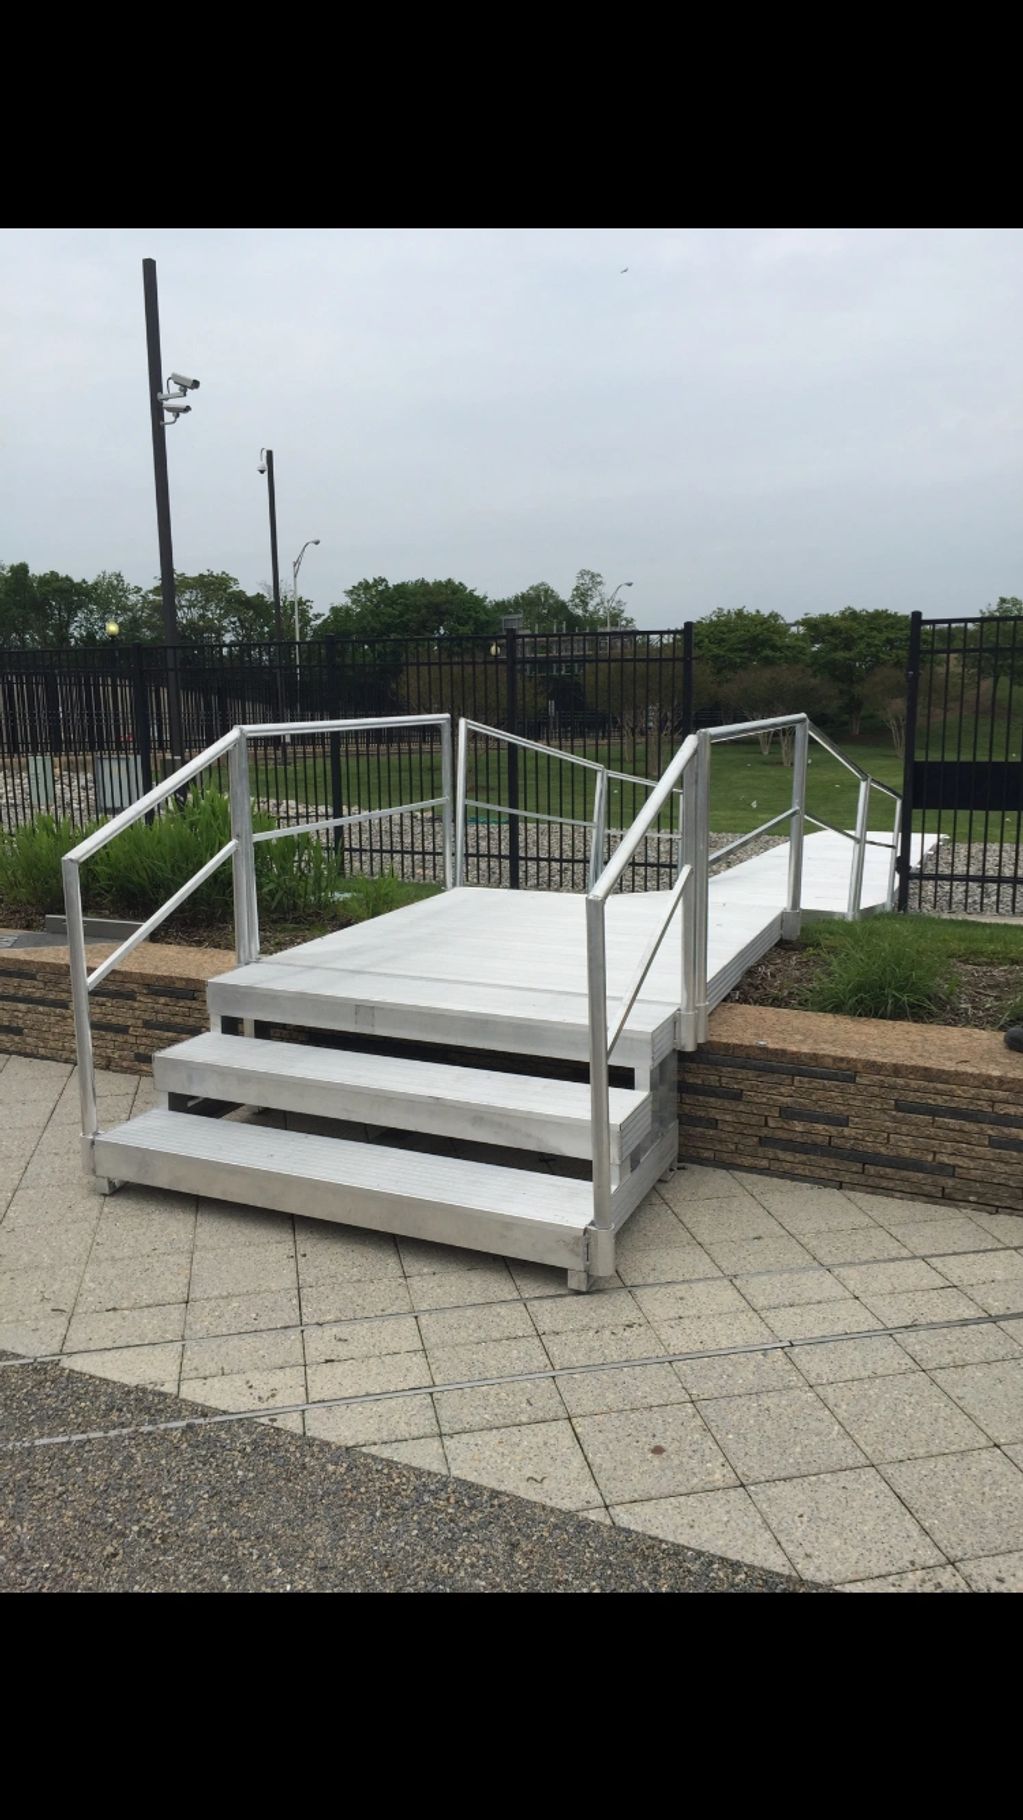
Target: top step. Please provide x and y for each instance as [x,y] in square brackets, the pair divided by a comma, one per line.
[526,1021]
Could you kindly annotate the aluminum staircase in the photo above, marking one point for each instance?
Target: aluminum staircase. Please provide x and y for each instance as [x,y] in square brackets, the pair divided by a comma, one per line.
[445,1072]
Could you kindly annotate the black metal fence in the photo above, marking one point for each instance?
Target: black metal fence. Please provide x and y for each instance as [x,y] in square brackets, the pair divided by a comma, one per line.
[85,731]
[964,765]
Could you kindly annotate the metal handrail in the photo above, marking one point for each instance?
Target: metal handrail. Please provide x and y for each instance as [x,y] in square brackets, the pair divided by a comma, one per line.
[240,849]
[689,893]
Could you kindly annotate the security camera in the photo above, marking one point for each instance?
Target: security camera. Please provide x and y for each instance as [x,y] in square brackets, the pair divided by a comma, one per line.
[262,467]
[176,409]
[188,385]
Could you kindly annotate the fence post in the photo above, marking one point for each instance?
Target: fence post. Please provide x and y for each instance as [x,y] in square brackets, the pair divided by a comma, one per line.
[791,921]
[687,679]
[859,853]
[701,885]
[140,718]
[908,757]
[334,713]
[243,861]
[512,726]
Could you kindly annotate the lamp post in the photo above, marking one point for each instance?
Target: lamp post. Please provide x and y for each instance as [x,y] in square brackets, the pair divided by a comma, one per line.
[611,601]
[296,565]
[165,407]
[266,466]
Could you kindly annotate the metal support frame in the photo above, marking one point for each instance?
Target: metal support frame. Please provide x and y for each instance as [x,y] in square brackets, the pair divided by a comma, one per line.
[858,852]
[792,918]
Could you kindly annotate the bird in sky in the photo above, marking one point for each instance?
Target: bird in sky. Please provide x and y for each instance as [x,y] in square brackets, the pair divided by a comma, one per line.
[623,271]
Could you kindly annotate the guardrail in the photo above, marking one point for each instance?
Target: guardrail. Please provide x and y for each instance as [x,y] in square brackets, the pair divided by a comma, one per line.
[240,849]
[689,775]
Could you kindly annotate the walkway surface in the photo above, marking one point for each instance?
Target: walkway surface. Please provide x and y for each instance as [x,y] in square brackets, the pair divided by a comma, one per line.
[807,1381]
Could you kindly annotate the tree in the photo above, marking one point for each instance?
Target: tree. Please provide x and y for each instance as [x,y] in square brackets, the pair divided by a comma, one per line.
[589,604]
[848,645]
[47,611]
[541,608]
[214,606]
[738,638]
[378,608]
[767,690]
[884,694]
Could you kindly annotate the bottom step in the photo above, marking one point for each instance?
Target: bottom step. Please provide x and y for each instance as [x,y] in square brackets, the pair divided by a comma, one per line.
[516,1213]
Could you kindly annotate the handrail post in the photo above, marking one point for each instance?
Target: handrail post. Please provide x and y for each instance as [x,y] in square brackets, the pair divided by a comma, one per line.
[701,886]
[460,795]
[892,891]
[79,971]
[599,836]
[792,917]
[446,784]
[602,1251]
[688,1022]
[859,853]
[243,860]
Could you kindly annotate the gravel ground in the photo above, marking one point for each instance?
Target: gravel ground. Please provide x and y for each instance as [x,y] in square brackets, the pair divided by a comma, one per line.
[940,898]
[241,1507]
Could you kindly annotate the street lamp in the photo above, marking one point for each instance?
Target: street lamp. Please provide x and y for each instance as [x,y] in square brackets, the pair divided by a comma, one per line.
[296,565]
[266,466]
[165,407]
[112,629]
[612,599]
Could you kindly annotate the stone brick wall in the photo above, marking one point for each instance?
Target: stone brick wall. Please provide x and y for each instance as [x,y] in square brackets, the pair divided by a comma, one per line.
[157,997]
[903,1109]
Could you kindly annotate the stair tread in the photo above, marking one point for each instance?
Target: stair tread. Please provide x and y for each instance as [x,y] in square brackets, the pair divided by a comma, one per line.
[395,1076]
[523,1194]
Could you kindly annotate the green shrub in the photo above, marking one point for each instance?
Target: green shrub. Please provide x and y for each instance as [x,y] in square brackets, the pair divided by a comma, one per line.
[298,878]
[880,968]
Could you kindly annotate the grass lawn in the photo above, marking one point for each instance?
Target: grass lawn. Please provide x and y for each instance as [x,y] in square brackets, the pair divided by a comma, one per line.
[746,787]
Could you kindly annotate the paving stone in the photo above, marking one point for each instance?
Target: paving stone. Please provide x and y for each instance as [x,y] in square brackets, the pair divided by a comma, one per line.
[249,1270]
[958,1345]
[486,1359]
[926,1240]
[891,1210]
[991,1393]
[739,1256]
[803,1208]
[367,1376]
[738,1374]
[839,1526]
[731,1222]
[1001,1298]
[543,1461]
[619,1344]
[862,1245]
[919,1580]
[360,1424]
[364,1258]
[247,1389]
[903,1418]
[427,1454]
[712,1333]
[500,1405]
[839,1361]
[779,1434]
[790,1288]
[588,1393]
[420,1258]
[134,1283]
[335,1342]
[1001,1266]
[126,1327]
[157,1366]
[223,1226]
[121,1234]
[695,1182]
[898,1278]
[584,1313]
[241,1313]
[995,1573]
[971,1503]
[921,1305]
[652,1453]
[683,1263]
[679,1301]
[820,1320]
[465,1288]
[33,1336]
[240,1352]
[719,1522]
[49,1252]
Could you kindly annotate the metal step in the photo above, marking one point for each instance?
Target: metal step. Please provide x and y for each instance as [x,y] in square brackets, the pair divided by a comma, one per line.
[549,1116]
[514,1212]
[526,1021]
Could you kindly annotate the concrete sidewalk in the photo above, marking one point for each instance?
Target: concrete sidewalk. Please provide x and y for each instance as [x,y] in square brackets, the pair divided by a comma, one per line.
[802,1380]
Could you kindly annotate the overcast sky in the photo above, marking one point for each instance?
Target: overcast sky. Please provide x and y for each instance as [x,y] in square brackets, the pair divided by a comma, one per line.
[778,418]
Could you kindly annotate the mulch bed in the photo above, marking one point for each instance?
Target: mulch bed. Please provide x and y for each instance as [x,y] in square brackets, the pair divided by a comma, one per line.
[977,996]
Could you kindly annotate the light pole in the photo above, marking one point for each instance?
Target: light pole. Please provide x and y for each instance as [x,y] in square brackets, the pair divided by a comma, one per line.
[266,466]
[165,407]
[296,565]
[611,601]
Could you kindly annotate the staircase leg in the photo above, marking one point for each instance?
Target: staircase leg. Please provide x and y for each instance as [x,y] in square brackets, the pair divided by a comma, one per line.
[579,1280]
